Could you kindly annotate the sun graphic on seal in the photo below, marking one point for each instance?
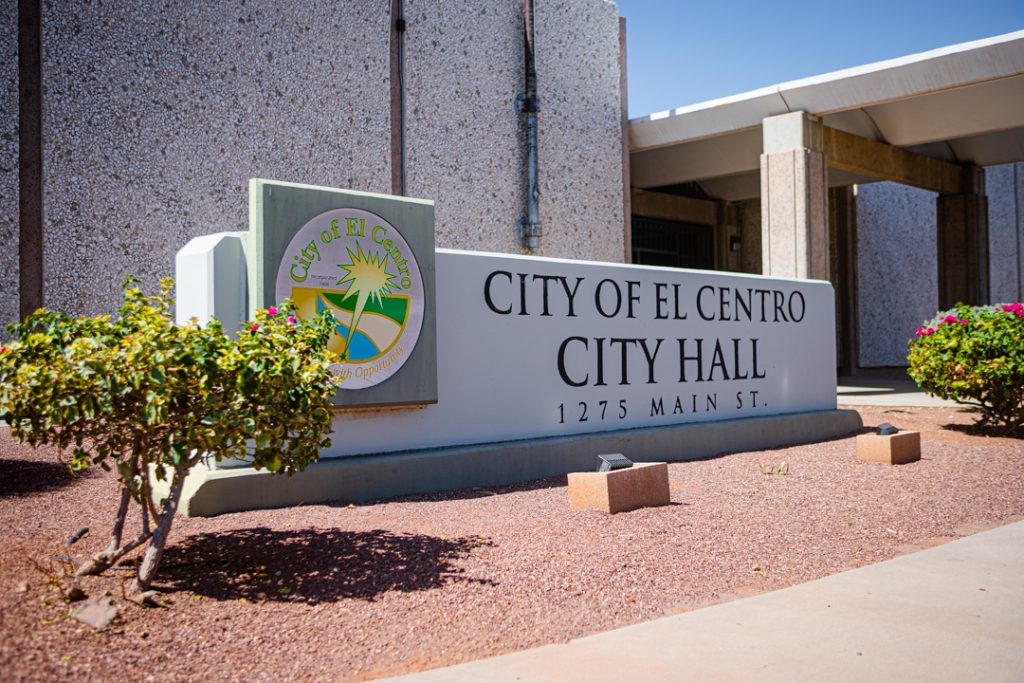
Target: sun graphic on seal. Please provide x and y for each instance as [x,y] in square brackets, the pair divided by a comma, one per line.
[367,277]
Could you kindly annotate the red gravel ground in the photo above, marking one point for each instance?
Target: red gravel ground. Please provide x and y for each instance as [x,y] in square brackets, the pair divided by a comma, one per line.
[337,592]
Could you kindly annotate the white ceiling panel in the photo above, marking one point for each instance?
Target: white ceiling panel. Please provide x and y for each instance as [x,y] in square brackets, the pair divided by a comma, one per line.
[969,110]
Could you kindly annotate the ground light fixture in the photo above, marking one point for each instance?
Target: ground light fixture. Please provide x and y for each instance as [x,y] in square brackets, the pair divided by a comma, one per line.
[613,461]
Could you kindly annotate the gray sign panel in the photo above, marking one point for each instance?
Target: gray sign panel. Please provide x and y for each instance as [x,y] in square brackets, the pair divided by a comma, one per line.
[369,260]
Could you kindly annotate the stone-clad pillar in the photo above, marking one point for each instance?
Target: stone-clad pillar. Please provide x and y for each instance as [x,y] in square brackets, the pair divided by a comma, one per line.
[963,245]
[794,198]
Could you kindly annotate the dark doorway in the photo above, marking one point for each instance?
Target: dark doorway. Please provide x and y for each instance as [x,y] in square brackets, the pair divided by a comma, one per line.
[675,244]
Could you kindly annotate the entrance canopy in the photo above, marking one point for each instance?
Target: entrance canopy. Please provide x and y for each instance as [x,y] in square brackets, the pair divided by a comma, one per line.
[962,104]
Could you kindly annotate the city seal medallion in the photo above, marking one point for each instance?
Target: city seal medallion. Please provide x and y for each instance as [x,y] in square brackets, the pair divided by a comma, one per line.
[357,266]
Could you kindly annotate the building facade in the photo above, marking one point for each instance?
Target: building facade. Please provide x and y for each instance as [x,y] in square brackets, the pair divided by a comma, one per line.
[155,116]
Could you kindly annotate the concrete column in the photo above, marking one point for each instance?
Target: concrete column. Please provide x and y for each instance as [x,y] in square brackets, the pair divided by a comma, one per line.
[794,198]
[962,222]
[627,209]
[750,236]
[728,238]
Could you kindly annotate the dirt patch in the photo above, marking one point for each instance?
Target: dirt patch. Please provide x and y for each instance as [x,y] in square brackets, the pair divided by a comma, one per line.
[338,592]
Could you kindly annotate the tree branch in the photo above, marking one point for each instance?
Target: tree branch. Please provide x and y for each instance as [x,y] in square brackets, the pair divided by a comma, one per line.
[103,561]
[151,558]
[122,513]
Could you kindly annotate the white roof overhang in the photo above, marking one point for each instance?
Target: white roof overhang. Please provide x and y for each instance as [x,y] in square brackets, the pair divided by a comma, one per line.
[963,103]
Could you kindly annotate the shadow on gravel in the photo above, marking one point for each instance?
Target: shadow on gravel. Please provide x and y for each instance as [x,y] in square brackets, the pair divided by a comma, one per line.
[24,477]
[312,565]
[984,430]
[480,491]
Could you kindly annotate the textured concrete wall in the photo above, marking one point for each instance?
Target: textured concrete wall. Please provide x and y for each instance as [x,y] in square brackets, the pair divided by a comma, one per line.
[580,129]
[157,115]
[1004,186]
[466,141]
[464,68]
[8,162]
[897,271]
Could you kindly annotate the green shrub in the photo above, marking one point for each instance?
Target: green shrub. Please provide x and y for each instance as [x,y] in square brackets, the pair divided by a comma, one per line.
[142,395]
[975,356]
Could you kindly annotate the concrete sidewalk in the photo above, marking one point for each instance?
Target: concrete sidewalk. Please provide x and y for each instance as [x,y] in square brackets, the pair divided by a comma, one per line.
[951,613]
[885,387]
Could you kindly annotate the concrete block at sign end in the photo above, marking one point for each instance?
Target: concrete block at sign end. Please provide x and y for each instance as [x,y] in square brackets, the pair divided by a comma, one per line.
[645,484]
[892,449]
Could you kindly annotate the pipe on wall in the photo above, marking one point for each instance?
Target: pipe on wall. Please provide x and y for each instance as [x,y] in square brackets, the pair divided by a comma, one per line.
[530,230]
[398,160]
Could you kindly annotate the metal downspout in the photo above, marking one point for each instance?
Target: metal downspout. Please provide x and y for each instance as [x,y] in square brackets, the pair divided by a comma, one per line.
[398,155]
[529,227]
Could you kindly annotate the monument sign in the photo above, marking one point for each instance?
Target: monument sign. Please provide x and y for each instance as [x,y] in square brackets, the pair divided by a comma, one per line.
[504,367]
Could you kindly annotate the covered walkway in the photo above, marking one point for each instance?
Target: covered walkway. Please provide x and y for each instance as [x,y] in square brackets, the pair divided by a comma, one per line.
[773,172]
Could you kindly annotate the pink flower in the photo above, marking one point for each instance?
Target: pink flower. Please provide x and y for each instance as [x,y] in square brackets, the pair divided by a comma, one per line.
[1013,308]
[963,322]
[3,349]
[920,331]
[272,311]
[931,330]
[950,319]
[254,327]
[292,319]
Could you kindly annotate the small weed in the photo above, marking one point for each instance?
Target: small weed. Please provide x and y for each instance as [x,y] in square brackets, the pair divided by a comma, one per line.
[56,575]
[782,469]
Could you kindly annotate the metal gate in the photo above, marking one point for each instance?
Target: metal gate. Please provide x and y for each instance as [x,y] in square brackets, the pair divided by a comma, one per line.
[659,242]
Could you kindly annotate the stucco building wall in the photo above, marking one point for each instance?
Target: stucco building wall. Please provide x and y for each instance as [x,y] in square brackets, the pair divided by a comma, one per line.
[1004,186]
[8,162]
[897,271]
[580,130]
[157,115]
[898,256]
[464,67]
[466,140]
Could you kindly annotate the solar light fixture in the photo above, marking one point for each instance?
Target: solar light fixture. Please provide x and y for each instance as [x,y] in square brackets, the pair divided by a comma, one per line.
[886,429]
[613,461]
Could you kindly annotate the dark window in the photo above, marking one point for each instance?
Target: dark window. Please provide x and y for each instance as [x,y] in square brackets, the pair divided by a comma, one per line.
[671,243]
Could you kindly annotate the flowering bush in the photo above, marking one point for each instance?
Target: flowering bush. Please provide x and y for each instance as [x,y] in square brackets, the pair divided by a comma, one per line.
[148,397]
[975,356]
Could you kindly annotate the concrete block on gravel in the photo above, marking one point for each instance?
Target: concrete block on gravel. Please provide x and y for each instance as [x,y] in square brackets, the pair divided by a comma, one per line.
[645,484]
[891,449]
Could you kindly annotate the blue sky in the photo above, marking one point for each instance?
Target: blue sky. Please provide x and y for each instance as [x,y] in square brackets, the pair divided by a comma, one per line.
[684,52]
